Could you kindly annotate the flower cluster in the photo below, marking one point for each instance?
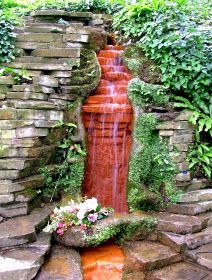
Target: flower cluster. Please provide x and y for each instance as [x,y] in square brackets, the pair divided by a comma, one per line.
[81,214]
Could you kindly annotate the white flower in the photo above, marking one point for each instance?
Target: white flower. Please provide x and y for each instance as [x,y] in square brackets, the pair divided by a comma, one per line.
[81,214]
[89,204]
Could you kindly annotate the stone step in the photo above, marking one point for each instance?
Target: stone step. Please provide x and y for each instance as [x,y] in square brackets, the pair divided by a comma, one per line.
[59,52]
[196,196]
[24,262]
[180,224]
[146,256]
[180,271]
[202,255]
[41,59]
[21,230]
[41,66]
[190,209]
[64,263]
[191,241]
[26,95]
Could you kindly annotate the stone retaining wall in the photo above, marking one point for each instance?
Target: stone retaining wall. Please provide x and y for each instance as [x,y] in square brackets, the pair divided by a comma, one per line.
[57,49]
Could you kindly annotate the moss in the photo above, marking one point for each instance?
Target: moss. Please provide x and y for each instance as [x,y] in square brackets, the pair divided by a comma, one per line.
[141,66]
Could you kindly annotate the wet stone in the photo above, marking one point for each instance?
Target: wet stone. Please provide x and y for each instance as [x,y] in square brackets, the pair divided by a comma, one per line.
[63,264]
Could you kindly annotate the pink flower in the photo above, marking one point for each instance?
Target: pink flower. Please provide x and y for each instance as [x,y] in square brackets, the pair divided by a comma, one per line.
[83,227]
[72,147]
[60,232]
[60,225]
[92,217]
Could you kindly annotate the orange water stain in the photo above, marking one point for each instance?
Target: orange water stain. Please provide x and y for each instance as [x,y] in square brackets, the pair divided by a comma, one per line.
[103,262]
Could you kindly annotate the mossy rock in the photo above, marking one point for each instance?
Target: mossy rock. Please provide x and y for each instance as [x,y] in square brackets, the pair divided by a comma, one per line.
[141,66]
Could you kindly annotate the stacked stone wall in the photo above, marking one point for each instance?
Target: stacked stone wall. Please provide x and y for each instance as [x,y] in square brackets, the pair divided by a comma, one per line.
[57,49]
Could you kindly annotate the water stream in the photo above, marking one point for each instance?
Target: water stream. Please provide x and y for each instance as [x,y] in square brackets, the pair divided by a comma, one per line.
[107,117]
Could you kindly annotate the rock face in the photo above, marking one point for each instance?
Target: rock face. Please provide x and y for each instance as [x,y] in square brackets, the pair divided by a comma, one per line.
[63,264]
[59,59]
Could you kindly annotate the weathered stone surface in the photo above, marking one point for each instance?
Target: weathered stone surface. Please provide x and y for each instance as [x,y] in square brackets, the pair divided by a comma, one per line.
[25,196]
[190,209]
[61,13]
[133,276]
[7,134]
[28,114]
[179,271]
[173,125]
[146,255]
[197,184]
[166,133]
[41,66]
[7,186]
[26,88]
[198,239]
[186,138]
[179,223]
[63,264]
[195,196]
[24,263]
[16,164]
[38,37]
[31,182]
[24,142]
[202,255]
[76,38]
[7,113]
[9,174]
[184,116]
[75,29]
[183,176]
[26,95]
[57,52]
[173,240]
[14,210]
[6,198]
[3,89]
[46,81]
[6,80]
[36,104]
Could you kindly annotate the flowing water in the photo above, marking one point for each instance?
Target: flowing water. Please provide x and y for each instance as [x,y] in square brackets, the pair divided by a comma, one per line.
[107,117]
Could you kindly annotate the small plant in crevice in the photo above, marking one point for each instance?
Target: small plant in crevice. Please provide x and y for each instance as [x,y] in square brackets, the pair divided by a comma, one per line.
[67,175]
[151,171]
[19,75]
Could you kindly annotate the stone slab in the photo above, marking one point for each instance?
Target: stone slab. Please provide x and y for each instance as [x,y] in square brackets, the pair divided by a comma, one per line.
[202,255]
[59,52]
[190,209]
[196,196]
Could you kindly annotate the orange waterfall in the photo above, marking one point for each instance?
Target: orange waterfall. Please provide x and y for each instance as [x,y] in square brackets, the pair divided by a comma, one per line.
[107,117]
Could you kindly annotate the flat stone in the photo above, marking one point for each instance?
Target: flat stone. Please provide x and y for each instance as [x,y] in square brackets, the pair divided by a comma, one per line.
[7,113]
[36,104]
[173,240]
[44,29]
[196,196]
[46,81]
[63,264]
[16,164]
[76,38]
[24,142]
[197,184]
[41,66]
[7,80]
[146,255]
[61,13]
[6,198]
[14,210]
[202,255]
[7,134]
[26,88]
[25,132]
[182,147]
[133,276]
[179,271]
[24,263]
[38,37]
[185,138]
[184,116]
[60,52]
[28,114]
[42,123]
[190,209]
[9,174]
[198,239]
[16,231]
[38,45]
[180,224]
[173,125]
[26,96]
[7,186]
[25,196]
[3,89]
[36,181]
[183,177]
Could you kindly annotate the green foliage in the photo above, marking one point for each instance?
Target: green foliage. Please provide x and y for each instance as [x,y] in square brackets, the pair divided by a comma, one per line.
[69,172]
[151,170]
[200,154]
[143,94]
[17,74]
[122,231]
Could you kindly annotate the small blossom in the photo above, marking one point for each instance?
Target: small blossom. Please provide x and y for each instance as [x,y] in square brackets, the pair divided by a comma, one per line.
[72,147]
[83,227]
[60,232]
[92,217]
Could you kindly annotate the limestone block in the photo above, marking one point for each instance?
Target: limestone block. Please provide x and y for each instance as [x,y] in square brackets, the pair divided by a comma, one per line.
[45,29]
[75,52]
[9,174]
[28,114]
[36,104]
[26,88]
[183,177]
[184,116]
[24,142]
[55,115]
[7,134]
[186,138]
[6,198]
[41,66]
[38,37]
[76,38]
[3,89]
[26,95]
[46,81]
[7,114]
[6,80]
[14,210]
[25,132]
[173,125]
[42,123]
[7,186]
[38,45]
[73,29]
[12,164]
[182,147]
[97,22]
[2,96]
[61,74]
[178,157]
[183,166]
[166,133]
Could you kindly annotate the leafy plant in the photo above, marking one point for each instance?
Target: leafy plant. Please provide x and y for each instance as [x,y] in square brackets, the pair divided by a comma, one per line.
[17,74]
